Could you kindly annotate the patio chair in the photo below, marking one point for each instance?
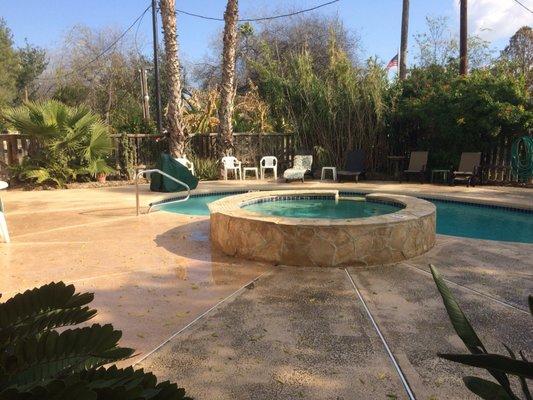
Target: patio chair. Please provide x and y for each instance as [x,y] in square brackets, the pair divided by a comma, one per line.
[186,162]
[4,233]
[269,162]
[417,165]
[230,163]
[469,168]
[355,165]
[300,166]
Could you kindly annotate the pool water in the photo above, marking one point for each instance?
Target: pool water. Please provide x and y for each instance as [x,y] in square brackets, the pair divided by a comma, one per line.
[453,219]
[321,208]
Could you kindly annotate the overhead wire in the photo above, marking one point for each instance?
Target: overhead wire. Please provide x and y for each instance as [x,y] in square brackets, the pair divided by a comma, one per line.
[259,18]
[523,6]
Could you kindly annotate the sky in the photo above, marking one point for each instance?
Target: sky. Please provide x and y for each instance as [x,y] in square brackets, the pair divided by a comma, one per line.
[376,23]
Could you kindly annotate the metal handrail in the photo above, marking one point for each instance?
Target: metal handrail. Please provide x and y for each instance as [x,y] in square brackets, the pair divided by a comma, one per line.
[149,171]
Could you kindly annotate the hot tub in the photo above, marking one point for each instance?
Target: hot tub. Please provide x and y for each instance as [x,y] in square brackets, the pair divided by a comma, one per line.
[395,229]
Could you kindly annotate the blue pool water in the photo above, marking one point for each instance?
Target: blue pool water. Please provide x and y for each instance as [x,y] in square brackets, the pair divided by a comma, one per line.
[322,208]
[453,219]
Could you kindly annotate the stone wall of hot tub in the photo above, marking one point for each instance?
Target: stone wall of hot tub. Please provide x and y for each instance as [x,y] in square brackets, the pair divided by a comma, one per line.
[322,242]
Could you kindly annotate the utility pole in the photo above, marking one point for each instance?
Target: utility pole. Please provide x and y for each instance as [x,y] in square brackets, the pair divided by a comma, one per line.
[463,46]
[156,68]
[404,39]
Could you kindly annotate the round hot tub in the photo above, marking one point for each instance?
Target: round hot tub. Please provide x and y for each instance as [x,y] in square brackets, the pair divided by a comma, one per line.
[317,228]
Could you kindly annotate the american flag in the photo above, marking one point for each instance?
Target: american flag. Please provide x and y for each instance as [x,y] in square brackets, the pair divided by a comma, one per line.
[393,62]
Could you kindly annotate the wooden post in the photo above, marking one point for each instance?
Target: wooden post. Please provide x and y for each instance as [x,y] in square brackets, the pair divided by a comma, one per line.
[463,48]
[404,39]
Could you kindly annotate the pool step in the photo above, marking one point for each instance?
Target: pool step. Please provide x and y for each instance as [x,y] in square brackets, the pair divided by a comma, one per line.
[352,198]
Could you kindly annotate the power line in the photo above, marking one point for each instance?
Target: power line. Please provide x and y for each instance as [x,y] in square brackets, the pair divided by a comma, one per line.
[523,6]
[104,51]
[261,18]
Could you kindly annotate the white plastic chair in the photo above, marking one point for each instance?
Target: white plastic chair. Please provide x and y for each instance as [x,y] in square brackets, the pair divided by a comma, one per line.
[186,163]
[230,163]
[4,233]
[269,162]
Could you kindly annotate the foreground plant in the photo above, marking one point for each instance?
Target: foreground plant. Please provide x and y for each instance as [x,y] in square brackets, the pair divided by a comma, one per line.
[499,366]
[38,362]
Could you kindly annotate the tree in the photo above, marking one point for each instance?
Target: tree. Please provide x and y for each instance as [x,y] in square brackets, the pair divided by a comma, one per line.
[33,62]
[227,85]
[519,53]
[80,72]
[8,65]
[439,46]
[174,121]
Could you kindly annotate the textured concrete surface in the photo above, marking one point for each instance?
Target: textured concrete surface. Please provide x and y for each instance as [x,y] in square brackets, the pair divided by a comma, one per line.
[155,274]
[298,333]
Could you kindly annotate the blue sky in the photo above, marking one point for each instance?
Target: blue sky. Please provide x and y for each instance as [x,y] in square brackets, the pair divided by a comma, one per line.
[376,22]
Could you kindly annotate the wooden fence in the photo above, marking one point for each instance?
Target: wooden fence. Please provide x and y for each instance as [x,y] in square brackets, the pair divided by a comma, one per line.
[249,147]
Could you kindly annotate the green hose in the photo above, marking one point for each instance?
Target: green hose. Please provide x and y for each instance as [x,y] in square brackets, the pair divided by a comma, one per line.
[522,158]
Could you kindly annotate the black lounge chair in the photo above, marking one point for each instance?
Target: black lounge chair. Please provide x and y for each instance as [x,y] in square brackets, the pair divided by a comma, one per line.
[417,165]
[355,165]
[469,169]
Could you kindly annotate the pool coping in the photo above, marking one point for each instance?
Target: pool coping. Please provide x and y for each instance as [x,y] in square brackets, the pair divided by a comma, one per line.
[413,208]
[443,198]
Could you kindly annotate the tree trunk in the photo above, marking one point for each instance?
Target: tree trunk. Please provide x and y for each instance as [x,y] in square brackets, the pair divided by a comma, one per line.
[174,123]
[404,38]
[463,45]
[227,86]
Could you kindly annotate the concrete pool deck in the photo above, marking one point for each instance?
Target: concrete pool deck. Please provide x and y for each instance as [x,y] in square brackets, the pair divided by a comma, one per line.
[287,335]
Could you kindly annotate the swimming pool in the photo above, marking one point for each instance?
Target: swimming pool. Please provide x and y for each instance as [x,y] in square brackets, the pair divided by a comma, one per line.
[453,218]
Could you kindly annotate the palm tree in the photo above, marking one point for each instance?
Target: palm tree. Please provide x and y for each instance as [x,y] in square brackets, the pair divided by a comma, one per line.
[175,127]
[70,141]
[227,86]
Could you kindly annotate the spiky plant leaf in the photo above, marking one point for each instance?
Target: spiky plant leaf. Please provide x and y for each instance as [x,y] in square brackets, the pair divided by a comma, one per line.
[43,357]
[487,390]
[459,321]
[462,326]
[523,383]
[495,362]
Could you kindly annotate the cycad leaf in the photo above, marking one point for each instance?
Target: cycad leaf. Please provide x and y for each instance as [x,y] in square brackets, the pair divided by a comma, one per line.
[487,390]
[47,307]
[495,362]
[40,358]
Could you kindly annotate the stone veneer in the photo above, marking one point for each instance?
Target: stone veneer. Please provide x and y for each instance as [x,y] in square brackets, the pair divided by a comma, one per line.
[322,242]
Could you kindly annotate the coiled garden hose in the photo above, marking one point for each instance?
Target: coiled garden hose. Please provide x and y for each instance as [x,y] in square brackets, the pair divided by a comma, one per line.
[522,158]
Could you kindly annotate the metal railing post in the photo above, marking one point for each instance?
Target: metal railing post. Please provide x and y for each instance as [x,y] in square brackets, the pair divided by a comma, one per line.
[149,171]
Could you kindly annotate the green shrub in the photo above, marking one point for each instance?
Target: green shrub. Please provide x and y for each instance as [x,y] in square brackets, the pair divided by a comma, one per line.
[206,169]
[68,142]
[445,113]
[499,366]
[39,362]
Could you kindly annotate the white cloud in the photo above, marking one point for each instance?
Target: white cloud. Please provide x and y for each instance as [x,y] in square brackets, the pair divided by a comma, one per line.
[496,19]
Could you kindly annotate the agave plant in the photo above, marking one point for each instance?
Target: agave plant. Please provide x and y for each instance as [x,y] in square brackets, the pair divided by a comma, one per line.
[70,141]
[39,362]
[501,367]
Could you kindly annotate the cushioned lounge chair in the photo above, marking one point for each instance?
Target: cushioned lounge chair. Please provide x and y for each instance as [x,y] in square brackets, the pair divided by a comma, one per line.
[355,165]
[300,166]
[468,170]
[417,165]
